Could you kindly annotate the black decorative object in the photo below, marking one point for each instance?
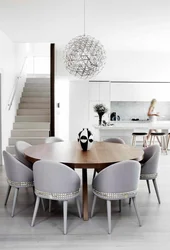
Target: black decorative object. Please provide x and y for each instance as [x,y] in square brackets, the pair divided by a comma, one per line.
[100,118]
[101,110]
[85,138]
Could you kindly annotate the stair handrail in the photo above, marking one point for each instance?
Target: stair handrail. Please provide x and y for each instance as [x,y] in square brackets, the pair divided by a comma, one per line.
[15,87]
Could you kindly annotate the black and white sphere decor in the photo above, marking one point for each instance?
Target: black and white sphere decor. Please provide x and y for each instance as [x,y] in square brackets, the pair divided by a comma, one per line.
[85,138]
[84,57]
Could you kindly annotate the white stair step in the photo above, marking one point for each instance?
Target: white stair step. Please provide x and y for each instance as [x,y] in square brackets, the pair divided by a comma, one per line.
[37,94]
[31,140]
[34,88]
[33,111]
[31,125]
[34,105]
[35,99]
[40,80]
[11,149]
[30,133]
[33,118]
[37,85]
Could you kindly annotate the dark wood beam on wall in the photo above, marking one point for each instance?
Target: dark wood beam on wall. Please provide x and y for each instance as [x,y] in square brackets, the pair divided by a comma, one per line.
[52,89]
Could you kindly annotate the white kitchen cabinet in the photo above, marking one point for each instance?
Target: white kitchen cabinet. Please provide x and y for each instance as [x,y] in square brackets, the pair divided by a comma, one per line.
[94,91]
[160,91]
[99,91]
[125,92]
[118,92]
[139,91]
[104,91]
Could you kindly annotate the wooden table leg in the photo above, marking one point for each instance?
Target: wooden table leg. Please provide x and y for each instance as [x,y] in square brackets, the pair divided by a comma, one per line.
[85,195]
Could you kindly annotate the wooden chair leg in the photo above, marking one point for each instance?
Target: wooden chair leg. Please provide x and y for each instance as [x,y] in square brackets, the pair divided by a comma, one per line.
[159,141]
[145,141]
[165,144]
[168,142]
[134,140]
[151,140]
[162,143]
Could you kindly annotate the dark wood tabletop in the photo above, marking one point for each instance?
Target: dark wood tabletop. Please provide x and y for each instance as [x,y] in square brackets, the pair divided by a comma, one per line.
[70,153]
[101,155]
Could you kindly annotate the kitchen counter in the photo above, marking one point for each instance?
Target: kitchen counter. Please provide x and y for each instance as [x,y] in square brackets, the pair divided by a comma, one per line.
[137,124]
[124,129]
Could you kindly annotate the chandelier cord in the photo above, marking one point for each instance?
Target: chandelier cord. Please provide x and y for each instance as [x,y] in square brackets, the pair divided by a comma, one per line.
[84,17]
[84,56]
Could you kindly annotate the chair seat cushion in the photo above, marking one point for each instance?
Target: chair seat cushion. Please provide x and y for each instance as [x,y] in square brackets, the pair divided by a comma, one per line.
[157,133]
[139,133]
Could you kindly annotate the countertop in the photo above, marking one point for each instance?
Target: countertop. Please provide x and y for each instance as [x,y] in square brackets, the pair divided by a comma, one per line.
[136,124]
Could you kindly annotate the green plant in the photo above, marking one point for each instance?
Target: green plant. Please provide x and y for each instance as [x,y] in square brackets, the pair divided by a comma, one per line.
[100,108]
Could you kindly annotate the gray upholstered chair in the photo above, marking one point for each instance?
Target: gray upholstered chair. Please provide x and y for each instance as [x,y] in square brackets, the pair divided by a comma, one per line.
[149,167]
[115,140]
[52,139]
[55,181]
[18,176]
[116,182]
[112,140]
[20,147]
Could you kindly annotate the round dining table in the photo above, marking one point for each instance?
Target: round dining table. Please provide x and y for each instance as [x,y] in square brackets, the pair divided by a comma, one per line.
[101,155]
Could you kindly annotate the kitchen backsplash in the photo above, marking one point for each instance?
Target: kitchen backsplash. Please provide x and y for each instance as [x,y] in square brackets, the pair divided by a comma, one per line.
[128,110]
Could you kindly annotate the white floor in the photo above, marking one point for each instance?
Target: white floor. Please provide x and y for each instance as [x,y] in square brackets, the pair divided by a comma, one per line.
[16,233]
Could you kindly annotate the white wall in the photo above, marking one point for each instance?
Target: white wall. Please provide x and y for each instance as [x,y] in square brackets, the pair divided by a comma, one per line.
[39,58]
[117,24]
[78,108]
[11,60]
[128,65]
[137,65]
[62,87]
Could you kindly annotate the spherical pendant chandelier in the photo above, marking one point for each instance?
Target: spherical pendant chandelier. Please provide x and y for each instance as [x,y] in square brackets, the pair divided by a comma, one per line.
[84,56]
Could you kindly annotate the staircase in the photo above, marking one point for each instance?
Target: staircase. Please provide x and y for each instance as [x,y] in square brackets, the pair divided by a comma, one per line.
[32,120]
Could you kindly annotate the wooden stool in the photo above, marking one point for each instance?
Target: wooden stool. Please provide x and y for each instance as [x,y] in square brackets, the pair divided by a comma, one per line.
[135,134]
[162,141]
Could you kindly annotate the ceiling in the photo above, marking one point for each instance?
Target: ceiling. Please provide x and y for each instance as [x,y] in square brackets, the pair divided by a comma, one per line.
[118,24]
